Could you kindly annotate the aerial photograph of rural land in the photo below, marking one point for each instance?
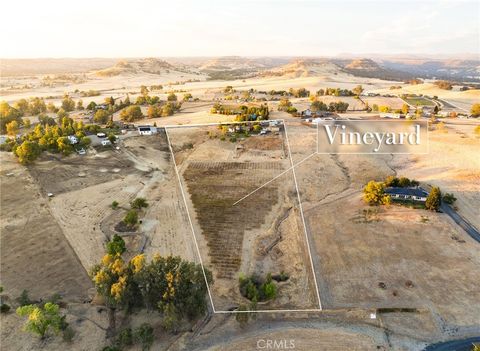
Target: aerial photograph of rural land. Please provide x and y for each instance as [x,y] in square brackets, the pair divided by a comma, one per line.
[240,175]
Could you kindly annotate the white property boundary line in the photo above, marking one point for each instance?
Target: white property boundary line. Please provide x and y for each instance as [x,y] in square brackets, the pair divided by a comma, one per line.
[193,230]
[303,218]
[298,197]
[190,220]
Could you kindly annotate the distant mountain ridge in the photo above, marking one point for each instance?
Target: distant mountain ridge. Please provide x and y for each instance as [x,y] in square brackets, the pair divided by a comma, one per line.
[399,68]
[240,63]
[450,69]
[304,68]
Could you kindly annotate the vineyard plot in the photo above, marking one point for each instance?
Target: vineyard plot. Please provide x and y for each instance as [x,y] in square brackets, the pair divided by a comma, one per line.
[243,204]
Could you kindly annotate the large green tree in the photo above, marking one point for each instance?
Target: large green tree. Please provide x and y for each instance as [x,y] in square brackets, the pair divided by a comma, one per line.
[169,285]
[7,115]
[101,117]
[67,103]
[27,152]
[131,113]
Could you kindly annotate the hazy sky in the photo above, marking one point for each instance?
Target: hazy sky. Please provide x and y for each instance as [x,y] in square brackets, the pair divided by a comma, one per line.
[108,28]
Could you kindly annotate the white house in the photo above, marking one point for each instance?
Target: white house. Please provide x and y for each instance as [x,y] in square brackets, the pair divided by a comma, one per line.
[147,130]
[415,194]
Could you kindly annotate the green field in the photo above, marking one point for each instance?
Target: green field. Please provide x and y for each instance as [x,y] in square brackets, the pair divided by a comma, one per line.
[419,101]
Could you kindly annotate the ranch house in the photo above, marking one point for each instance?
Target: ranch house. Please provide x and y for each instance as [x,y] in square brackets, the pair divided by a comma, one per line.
[147,130]
[413,194]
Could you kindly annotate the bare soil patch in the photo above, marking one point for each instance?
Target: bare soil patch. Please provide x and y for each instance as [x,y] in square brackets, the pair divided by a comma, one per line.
[395,246]
[262,233]
[35,254]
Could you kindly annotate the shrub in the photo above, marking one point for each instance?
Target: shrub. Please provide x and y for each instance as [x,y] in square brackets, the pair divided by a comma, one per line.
[449,198]
[282,277]
[85,141]
[125,338]
[112,138]
[172,97]
[41,320]
[254,289]
[131,218]
[114,205]
[55,298]
[101,117]
[4,308]
[139,203]
[68,334]
[284,104]
[144,336]
[268,289]
[116,246]
[291,110]
[111,348]
[24,299]
[91,106]
[171,318]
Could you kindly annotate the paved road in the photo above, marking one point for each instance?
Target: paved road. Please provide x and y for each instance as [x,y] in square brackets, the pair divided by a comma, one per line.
[471,230]
[454,345]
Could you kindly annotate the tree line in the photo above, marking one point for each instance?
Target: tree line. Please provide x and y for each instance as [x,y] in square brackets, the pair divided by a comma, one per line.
[169,285]
[334,106]
[340,92]
[242,112]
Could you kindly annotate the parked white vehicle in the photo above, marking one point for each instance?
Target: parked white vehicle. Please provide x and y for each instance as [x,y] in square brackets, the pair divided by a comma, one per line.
[106,142]
[81,151]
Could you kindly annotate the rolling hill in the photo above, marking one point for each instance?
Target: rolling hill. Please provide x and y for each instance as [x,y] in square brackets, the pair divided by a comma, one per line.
[131,67]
